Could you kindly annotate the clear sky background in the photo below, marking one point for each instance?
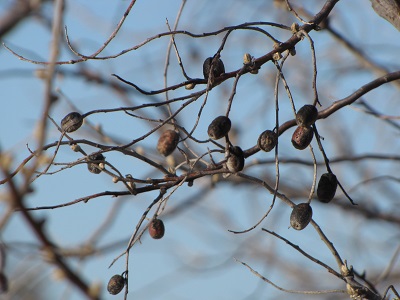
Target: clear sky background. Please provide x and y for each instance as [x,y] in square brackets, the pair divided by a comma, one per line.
[195,259]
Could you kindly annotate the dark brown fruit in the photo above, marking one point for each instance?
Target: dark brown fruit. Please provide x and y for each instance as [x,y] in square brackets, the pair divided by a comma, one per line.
[267,140]
[218,67]
[167,142]
[327,186]
[307,115]
[219,127]
[116,284]
[156,229]
[93,167]
[302,137]
[71,122]
[301,216]
[235,162]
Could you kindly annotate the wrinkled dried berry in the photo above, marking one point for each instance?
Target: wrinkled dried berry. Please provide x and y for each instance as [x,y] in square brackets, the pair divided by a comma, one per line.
[116,284]
[302,137]
[93,167]
[235,162]
[307,115]
[71,122]
[327,186]
[156,229]
[167,142]
[301,215]
[219,127]
[267,140]
[218,67]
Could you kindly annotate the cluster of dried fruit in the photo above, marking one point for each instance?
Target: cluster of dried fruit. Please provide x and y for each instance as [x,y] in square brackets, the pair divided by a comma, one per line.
[303,135]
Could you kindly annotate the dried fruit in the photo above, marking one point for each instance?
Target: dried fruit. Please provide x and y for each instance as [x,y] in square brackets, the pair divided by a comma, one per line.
[307,115]
[327,187]
[167,142]
[235,162]
[219,127]
[301,215]
[94,167]
[267,140]
[302,137]
[71,122]
[218,67]
[156,229]
[116,284]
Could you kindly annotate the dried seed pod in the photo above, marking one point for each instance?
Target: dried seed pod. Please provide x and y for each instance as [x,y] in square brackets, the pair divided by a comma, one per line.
[302,137]
[116,284]
[219,127]
[94,167]
[156,229]
[167,142]
[327,187]
[235,162]
[301,215]
[71,122]
[267,140]
[307,115]
[217,70]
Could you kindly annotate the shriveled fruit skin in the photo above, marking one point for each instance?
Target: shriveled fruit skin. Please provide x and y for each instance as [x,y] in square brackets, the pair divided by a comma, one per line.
[302,137]
[235,162]
[327,186]
[267,140]
[218,67]
[307,115]
[71,122]
[301,215]
[115,284]
[93,166]
[167,142]
[156,229]
[219,127]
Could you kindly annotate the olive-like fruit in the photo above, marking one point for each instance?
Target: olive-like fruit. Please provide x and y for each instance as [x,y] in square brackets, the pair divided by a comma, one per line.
[301,215]
[116,284]
[327,186]
[71,122]
[307,115]
[219,127]
[235,162]
[167,142]
[267,140]
[218,67]
[93,167]
[302,137]
[156,229]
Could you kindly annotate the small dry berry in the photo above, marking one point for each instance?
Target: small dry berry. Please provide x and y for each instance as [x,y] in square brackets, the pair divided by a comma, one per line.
[327,186]
[219,127]
[301,215]
[94,167]
[116,284]
[167,142]
[267,140]
[156,229]
[302,137]
[235,162]
[71,122]
[307,115]
[218,67]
